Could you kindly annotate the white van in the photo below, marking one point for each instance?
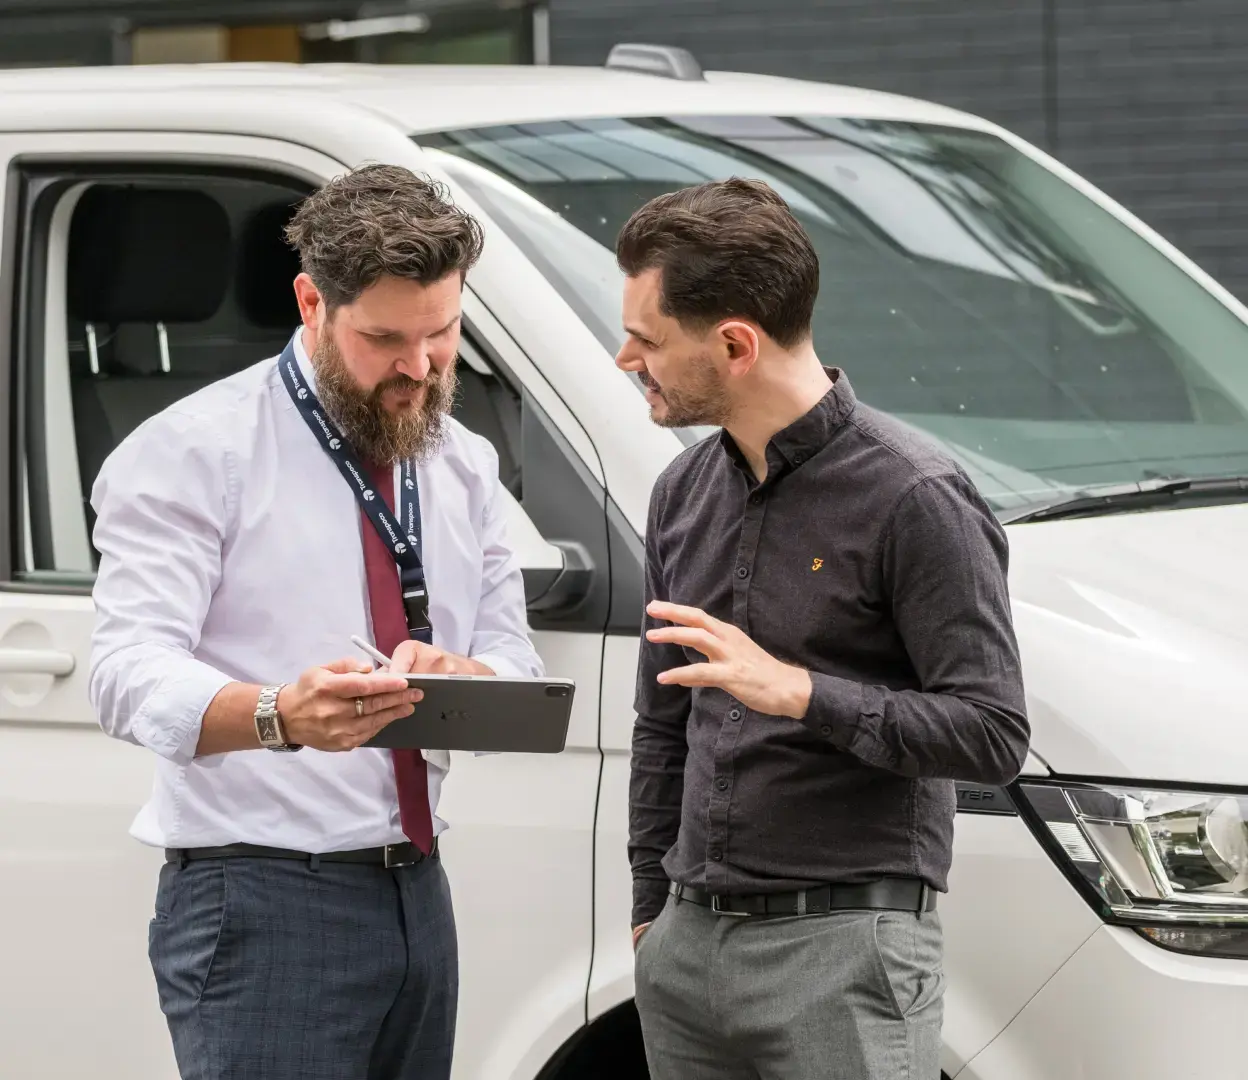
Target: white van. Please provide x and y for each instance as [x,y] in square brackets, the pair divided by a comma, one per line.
[1091,380]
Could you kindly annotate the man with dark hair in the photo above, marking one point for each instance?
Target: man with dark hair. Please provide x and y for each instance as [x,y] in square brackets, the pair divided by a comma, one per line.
[828,646]
[303,925]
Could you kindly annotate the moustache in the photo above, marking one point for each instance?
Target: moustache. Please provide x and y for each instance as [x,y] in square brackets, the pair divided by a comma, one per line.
[405,383]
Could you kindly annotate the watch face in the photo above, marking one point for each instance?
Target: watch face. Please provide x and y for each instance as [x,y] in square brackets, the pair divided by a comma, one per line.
[267,726]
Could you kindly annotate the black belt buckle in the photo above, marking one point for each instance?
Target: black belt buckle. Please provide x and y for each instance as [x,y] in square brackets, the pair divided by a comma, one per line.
[719,909]
[395,855]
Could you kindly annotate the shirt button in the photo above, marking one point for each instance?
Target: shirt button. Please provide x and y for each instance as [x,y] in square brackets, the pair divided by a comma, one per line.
[755,499]
[716,855]
[825,730]
[743,571]
[735,714]
[721,784]
[798,459]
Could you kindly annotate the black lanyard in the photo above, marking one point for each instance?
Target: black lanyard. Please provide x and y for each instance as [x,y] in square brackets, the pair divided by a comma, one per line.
[403,543]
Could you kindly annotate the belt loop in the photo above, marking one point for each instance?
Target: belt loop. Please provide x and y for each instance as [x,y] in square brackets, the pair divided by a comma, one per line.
[801,901]
[314,863]
[924,893]
[182,859]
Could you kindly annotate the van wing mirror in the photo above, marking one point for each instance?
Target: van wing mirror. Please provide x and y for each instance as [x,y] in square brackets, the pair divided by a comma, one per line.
[557,574]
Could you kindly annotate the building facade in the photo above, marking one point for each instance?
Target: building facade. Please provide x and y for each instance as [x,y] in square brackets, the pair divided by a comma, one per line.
[1147,99]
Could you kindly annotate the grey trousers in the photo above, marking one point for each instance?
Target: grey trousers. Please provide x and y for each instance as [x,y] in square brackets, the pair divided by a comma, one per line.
[852,995]
[270,970]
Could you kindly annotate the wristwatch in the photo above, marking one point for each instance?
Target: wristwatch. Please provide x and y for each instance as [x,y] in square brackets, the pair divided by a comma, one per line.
[269,721]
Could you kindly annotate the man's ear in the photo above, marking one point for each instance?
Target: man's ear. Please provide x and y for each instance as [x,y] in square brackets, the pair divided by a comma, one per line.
[308,297]
[740,341]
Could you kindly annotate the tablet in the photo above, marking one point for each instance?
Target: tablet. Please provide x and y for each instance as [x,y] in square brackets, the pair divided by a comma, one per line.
[485,713]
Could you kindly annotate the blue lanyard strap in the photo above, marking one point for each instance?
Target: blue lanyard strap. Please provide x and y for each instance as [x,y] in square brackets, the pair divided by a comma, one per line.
[403,542]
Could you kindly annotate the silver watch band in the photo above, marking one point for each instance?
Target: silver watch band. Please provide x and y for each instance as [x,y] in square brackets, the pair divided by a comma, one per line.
[269,728]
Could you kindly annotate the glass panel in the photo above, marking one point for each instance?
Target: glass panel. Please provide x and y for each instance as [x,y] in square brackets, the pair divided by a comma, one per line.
[966,289]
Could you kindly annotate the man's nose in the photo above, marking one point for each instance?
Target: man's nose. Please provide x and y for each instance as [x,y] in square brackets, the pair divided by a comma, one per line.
[415,365]
[627,359]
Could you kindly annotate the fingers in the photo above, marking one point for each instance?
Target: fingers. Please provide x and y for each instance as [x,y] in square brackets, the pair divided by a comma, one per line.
[702,640]
[361,684]
[694,675]
[380,703]
[407,656]
[680,613]
[389,716]
[348,731]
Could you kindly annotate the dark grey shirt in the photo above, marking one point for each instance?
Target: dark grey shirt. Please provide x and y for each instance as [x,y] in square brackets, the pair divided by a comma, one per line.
[869,558]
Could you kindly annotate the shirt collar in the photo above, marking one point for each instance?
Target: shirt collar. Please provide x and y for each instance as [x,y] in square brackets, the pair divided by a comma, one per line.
[809,433]
[304,361]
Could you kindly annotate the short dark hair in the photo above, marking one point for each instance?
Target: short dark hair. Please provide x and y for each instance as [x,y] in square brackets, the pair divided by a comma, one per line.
[381,220]
[723,249]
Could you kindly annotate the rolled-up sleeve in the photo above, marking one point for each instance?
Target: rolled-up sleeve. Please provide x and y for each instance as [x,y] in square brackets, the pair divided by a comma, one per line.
[944,564]
[500,636]
[161,500]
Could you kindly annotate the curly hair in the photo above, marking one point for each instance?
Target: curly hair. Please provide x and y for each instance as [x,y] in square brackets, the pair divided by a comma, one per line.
[381,220]
[725,249]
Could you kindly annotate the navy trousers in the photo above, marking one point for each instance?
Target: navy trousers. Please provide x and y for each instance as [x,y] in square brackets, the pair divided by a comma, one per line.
[269,969]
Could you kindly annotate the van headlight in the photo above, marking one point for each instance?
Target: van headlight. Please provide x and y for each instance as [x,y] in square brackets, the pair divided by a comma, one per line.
[1171,863]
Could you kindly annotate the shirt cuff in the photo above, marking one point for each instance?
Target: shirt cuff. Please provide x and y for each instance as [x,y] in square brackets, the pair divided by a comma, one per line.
[836,708]
[171,719]
[649,897]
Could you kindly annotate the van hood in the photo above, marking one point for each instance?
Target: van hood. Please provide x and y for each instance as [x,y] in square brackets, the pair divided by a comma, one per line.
[1133,630]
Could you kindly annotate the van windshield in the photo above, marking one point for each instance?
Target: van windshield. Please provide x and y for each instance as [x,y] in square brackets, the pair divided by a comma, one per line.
[965,289]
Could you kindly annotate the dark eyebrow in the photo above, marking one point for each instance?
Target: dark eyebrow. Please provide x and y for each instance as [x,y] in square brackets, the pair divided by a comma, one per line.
[638,334]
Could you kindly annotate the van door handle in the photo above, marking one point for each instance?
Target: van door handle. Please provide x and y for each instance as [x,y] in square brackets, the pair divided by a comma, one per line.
[35,662]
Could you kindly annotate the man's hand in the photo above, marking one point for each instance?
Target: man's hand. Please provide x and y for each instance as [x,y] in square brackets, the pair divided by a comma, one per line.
[320,709]
[734,663]
[637,933]
[430,660]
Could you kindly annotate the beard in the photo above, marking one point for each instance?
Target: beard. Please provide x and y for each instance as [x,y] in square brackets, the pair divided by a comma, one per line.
[698,399]
[376,434]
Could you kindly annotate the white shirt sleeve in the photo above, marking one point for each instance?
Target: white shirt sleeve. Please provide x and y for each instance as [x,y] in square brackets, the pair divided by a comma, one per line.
[162,500]
[500,637]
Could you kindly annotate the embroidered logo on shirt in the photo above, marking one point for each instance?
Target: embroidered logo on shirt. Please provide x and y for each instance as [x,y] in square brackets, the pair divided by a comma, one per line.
[817,565]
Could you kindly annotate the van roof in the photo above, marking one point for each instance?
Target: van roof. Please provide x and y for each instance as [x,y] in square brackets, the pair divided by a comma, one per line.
[424,97]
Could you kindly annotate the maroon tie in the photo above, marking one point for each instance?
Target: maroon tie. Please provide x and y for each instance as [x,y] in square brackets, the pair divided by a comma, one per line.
[411,775]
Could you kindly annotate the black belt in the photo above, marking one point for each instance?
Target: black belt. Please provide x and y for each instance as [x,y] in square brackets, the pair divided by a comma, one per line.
[392,855]
[897,894]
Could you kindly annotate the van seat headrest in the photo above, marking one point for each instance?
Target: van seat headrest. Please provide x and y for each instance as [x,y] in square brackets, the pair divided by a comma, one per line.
[147,255]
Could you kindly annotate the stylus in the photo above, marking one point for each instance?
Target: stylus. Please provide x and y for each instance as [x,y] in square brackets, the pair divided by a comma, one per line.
[376,654]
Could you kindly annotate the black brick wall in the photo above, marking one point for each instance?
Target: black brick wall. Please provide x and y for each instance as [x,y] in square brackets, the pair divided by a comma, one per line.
[1147,98]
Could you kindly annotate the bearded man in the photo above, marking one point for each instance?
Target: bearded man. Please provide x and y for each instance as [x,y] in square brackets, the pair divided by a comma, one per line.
[303,925]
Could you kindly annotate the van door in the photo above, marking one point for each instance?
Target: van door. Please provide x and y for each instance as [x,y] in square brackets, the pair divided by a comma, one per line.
[78,891]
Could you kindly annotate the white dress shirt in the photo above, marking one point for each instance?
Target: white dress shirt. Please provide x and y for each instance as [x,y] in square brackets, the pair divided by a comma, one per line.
[230,549]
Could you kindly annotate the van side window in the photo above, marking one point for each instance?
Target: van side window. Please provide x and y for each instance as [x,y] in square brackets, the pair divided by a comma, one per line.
[140,289]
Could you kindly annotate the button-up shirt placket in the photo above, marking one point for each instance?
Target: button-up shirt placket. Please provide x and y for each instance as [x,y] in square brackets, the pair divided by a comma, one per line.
[718,853]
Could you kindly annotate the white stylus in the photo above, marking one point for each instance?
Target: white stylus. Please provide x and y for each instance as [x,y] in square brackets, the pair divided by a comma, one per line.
[376,654]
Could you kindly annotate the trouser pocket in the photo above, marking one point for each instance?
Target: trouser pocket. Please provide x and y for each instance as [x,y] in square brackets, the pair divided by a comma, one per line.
[910,951]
